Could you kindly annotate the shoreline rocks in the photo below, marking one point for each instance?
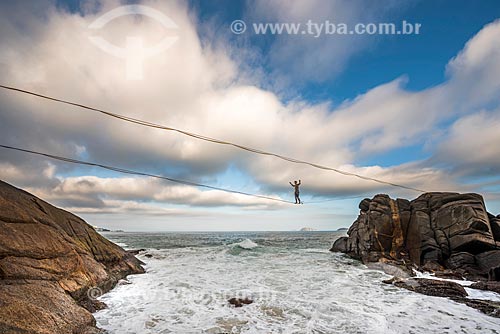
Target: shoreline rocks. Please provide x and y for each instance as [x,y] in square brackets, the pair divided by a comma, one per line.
[448,289]
[448,234]
[488,286]
[435,232]
[49,261]
[239,302]
[431,287]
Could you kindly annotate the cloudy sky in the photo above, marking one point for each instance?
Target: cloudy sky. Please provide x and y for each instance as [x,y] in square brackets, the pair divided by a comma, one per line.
[419,110]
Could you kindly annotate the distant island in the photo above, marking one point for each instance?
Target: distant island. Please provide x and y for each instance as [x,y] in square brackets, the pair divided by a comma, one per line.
[342,229]
[103,229]
[307,229]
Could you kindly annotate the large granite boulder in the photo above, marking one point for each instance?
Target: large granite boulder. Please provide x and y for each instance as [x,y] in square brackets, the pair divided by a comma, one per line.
[379,230]
[433,232]
[459,223]
[49,259]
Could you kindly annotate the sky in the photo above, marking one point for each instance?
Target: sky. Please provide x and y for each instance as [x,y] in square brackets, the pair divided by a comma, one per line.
[421,110]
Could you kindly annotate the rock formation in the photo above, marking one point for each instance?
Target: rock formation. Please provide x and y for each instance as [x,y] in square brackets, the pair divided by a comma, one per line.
[434,232]
[239,302]
[49,261]
[449,234]
[431,287]
[449,289]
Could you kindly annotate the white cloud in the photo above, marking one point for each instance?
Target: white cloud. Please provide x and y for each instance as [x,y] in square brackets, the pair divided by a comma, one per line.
[198,87]
[89,194]
[474,72]
[148,189]
[472,145]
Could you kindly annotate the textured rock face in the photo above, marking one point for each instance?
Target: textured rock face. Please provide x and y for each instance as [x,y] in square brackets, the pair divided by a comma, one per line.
[448,289]
[379,230]
[491,286]
[459,223]
[49,258]
[432,287]
[434,231]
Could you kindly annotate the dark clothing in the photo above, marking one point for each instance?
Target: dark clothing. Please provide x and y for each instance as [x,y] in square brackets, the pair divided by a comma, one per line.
[297,198]
[297,191]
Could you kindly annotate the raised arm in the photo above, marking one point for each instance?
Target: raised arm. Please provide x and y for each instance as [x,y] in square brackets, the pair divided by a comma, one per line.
[291,184]
[299,183]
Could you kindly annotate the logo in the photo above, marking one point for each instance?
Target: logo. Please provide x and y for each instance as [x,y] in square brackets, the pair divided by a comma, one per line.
[134,51]
[94,293]
[238,27]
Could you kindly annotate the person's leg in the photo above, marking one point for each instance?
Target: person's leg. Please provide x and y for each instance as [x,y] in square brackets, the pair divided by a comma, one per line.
[297,200]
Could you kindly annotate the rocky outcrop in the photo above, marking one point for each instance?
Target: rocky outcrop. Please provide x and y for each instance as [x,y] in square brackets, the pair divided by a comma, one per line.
[239,302]
[434,232]
[49,261]
[490,286]
[431,287]
[452,290]
[449,234]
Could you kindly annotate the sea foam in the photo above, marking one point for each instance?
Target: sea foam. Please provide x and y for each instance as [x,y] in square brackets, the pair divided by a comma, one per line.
[246,244]
[295,290]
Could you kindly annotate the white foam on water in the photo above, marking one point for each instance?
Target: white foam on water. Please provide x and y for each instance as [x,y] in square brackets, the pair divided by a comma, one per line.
[482,294]
[432,276]
[122,244]
[246,244]
[185,290]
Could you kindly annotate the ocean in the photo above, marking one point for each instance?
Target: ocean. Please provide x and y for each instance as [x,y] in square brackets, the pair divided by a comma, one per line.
[297,286]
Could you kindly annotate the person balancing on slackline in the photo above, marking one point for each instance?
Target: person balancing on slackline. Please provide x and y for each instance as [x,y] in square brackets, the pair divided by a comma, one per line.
[296,185]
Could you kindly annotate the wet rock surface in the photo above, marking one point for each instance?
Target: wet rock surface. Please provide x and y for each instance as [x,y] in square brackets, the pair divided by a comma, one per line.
[435,232]
[432,287]
[452,290]
[49,260]
[448,234]
[239,302]
[489,286]
[488,307]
